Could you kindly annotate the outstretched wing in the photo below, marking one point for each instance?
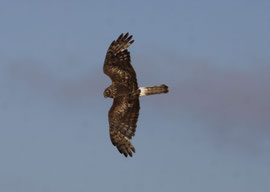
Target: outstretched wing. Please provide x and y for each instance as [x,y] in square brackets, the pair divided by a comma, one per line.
[117,62]
[123,117]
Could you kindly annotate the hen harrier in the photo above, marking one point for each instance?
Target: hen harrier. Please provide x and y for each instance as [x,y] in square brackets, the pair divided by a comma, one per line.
[124,113]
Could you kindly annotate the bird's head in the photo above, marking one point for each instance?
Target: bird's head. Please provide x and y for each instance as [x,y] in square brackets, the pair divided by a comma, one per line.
[108,93]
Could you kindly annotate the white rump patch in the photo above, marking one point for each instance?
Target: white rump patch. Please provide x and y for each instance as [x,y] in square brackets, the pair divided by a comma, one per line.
[142,91]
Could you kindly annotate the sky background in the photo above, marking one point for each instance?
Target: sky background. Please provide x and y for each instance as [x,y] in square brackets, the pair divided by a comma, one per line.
[210,133]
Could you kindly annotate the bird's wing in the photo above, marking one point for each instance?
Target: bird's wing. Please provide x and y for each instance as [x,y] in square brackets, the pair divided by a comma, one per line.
[123,117]
[117,63]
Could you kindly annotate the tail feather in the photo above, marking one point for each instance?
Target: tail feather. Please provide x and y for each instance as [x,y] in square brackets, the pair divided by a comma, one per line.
[158,89]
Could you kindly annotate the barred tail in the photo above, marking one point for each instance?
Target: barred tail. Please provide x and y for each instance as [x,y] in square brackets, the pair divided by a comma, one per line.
[158,89]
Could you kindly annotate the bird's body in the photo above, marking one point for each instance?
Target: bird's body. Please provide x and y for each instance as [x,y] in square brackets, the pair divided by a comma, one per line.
[124,113]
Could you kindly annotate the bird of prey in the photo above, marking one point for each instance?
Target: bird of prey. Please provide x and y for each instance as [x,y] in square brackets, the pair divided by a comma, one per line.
[124,113]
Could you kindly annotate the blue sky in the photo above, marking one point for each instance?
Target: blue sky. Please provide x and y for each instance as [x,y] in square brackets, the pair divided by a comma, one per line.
[210,133]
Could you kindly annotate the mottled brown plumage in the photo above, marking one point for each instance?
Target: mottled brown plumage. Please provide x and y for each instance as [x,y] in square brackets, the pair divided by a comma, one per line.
[124,113]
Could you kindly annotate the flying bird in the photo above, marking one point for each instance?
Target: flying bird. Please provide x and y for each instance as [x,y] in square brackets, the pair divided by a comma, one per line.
[124,113]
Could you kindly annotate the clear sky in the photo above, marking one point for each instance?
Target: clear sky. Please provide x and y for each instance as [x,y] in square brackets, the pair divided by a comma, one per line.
[209,134]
